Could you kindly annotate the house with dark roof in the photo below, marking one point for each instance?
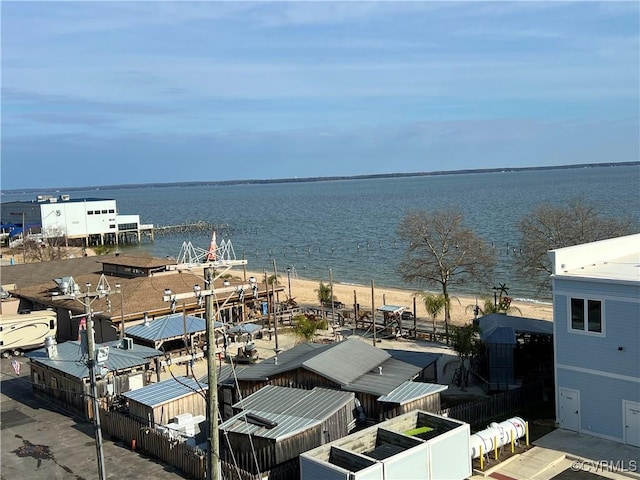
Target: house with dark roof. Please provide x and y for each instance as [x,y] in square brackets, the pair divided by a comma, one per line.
[136,287]
[273,426]
[371,373]
[60,373]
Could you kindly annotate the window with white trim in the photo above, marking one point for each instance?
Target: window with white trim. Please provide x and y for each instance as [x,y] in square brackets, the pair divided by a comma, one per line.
[586,315]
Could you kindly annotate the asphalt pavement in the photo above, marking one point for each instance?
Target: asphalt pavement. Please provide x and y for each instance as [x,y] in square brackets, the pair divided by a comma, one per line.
[39,441]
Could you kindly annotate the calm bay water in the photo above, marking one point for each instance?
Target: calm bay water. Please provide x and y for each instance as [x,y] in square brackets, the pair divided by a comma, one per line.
[349,225]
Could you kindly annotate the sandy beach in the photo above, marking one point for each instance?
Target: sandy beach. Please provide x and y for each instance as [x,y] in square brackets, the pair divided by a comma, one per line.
[304,292]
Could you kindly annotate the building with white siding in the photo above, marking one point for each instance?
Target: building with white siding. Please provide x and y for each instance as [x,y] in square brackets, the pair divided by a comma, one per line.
[596,304]
[94,221]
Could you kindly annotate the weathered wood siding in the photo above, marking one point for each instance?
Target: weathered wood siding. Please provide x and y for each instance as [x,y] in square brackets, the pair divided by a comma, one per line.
[272,453]
[162,414]
[73,393]
[430,403]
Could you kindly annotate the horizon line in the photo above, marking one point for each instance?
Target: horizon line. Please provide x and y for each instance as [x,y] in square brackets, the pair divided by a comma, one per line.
[321,179]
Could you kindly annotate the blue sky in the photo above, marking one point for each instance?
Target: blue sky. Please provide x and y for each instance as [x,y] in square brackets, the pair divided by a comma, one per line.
[101,93]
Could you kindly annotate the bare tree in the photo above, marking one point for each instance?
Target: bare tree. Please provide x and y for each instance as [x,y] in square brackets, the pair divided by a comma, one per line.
[51,245]
[443,252]
[550,226]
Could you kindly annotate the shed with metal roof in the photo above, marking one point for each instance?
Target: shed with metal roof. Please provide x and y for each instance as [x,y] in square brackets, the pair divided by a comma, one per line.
[171,332]
[276,424]
[62,375]
[371,372]
[159,403]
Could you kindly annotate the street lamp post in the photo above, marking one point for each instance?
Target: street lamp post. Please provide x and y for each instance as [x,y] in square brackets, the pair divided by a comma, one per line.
[289,280]
[120,290]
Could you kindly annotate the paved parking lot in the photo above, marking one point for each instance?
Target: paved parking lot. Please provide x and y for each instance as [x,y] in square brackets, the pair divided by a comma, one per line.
[41,442]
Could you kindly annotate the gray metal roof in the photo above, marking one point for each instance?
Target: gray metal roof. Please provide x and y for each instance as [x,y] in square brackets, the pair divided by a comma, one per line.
[70,360]
[391,309]
[288,360]
[293,410]
[394,373]
[330,360]
[224,374]
[169,327]
[166,391]
[414,357]
[409,391]
[245,328]
[346,361]
[318,403]
[519,324]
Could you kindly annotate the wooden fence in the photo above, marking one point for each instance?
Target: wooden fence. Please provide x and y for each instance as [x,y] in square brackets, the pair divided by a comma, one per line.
[189,460]
[138,436]
[500,404]
[192,461]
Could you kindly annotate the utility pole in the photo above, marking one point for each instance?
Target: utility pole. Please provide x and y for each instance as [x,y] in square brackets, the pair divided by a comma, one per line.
[91,363]
[120,290]
[86,299]
[213,440]
[213,452]
[24,245]
[373,313]
[333,309]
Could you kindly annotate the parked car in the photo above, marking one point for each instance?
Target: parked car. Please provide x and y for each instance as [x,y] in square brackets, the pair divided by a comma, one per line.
[406,315]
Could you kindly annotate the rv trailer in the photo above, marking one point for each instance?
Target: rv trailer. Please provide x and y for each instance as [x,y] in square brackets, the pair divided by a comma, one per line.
[25,331]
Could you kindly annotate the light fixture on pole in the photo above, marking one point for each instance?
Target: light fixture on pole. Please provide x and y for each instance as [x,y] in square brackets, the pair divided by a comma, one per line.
[94,358]
[120,290]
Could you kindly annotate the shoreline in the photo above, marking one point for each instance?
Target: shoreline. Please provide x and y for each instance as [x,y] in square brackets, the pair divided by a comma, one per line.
[304,291]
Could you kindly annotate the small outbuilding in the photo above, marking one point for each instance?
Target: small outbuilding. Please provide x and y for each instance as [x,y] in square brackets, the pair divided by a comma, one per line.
[273,426]
[60,373]
[172,332]
[160,403]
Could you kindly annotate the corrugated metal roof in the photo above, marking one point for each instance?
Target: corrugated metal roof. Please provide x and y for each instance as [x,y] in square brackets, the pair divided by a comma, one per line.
[409,391]
[329,361]
[293,410]
[394,373]
[318,403]
[358,356]
[224,374]
[70,360]
[287,426]
[414,357]
[168,327]
[166,391]
[249,328]
[288,360]
[391,309]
